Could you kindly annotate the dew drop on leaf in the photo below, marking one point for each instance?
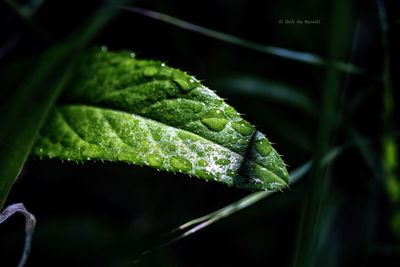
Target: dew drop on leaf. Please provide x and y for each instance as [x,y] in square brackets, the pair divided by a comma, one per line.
[182,84]
[263,147]
[231,112]
[202,163]
[150,71]
[215,124]
[154,160]
[200,153]
[182,81]
[156,136]
[223,161]
[231,173]
[215,113]
[204,173]
[197,108]
[243,127]
[272,180]
[181,164]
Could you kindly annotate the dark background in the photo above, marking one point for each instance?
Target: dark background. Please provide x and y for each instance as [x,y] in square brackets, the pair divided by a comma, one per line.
[106,214]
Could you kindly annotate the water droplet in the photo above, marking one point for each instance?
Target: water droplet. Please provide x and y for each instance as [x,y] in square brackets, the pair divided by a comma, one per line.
[154,160]
[104,48]
[133,55]
[88,158]
[188,136]
[215,124]
[243,127]
[215,113]
[231,173]
[181,164]
[162,64]
[233,139]
[200,153]
[171,148]
[41,150]
[142,63]
[182,80]
[263,147]
[156,136]
[204,174]
[231,112]
[202,163]
[271,180]
[197,107]
[182,84]
[150,71]
[223,161]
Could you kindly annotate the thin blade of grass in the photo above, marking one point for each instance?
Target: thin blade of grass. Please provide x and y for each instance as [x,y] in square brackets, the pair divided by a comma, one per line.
[238,205]
[200,223]
[308,243]
[389,141]
[304,57]
[251,199]
[195,225]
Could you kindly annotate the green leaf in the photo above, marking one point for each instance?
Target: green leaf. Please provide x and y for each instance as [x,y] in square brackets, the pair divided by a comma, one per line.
[119,108]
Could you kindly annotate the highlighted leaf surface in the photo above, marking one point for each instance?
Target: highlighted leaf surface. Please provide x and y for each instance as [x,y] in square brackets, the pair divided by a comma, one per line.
[119,108]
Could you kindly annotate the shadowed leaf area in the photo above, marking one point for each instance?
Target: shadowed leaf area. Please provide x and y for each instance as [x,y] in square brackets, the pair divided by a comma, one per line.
[120,108]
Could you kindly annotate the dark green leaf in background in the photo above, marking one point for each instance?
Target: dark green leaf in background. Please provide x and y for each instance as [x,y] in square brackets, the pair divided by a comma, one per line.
[32,96]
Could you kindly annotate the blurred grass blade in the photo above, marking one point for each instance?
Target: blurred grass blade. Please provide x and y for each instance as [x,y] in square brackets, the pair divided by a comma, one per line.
[202,222]
[24,112]
[367,152]
[26,12]
[272,50]
[249,200]
[143,112]
[389,143]
[307,250]
[30,223]
[271,90]
[245,202]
